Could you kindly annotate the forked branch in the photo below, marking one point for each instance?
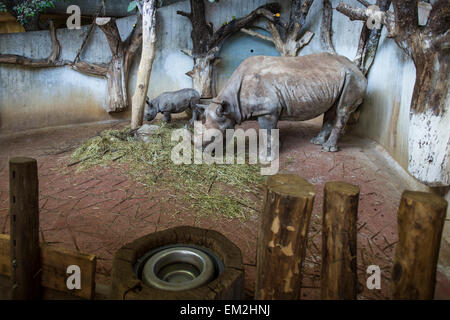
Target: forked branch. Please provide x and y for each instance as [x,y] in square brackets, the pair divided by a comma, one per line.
[50,61]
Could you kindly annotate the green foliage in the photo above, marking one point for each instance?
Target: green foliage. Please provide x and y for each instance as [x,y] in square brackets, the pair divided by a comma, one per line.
[132,6]
[26,10]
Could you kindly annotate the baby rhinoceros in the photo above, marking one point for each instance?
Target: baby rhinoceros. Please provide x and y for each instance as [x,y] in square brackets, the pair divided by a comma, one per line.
[171,102]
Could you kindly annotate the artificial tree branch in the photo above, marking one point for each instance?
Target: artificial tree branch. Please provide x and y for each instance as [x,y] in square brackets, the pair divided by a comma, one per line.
[439,19]
[139,6]
[185,14]
[257,35]
[50,61]
[304,40]
[91,28]
[428,47]
[325,29]
[352,12]
[406,16]
[388,19]
[233,26]
[364,3]
[95,69]
[299,12]
[187,52]
[206,42]
[277,40]
[117,69]
[133,42]
[359,58]
[112,34]
[370,48]
[288,38]
[201,30]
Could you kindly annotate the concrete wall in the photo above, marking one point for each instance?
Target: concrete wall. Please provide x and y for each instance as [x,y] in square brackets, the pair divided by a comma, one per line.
[38,98]
[46,97]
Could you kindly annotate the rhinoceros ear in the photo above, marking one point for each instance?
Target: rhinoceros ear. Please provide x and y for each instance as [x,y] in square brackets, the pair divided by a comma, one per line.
[223,109]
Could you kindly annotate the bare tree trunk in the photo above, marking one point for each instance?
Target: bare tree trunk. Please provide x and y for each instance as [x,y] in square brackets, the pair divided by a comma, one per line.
[206,42]
[202,72]
[145,66]
[367,49]
[429,141]
[117,84]
[202,76]
[117,70]
[116,75]
[289,38]
[326,26]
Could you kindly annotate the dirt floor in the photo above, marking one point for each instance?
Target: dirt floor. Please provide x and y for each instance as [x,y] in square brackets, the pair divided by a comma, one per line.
[99,210]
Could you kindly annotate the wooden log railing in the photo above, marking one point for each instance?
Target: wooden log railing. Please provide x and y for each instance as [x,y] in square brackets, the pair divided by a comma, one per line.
[24,216]
[421,218]
[29,264]
[288,203]
[281,247]
[340,211]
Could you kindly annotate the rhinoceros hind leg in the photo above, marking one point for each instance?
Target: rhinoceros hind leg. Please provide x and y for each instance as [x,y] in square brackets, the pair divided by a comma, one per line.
[327,148]
[327,126]
[351,98]
[336,132]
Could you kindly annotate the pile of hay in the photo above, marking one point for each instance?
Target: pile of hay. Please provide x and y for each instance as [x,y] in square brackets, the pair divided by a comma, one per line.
[208,189]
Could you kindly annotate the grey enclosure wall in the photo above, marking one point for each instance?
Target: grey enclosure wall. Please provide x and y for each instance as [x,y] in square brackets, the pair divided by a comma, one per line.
[39,98]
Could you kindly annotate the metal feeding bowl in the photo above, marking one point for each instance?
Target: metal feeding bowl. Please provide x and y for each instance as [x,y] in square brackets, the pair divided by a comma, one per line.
[179,268]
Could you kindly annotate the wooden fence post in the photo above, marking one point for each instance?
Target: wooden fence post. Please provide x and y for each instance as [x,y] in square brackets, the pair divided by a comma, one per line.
[24,216]
[339,231]
[421,217]
[288,203]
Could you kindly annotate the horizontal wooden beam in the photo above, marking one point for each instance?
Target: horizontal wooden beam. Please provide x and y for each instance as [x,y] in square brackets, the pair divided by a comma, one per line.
[54,262]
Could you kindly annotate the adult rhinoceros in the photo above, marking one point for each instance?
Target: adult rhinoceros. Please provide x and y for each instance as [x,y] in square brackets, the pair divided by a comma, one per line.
[290,88]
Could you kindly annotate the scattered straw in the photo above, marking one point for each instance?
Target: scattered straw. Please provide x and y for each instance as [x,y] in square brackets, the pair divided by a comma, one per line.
[208,189]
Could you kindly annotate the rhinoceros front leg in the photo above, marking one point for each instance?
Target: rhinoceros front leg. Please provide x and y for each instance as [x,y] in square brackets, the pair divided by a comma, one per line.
[167,116]
[265,149]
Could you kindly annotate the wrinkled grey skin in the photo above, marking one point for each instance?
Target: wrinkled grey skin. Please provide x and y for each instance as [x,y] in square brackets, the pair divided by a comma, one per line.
[171,102]
[198,112]
[270,89]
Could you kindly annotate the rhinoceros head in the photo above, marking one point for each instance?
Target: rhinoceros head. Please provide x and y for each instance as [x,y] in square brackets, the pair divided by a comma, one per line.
[218,116]
[150,110]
